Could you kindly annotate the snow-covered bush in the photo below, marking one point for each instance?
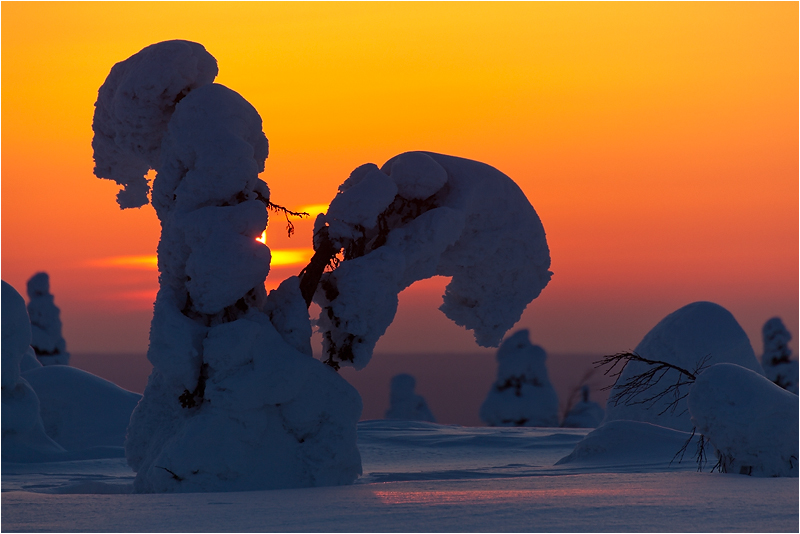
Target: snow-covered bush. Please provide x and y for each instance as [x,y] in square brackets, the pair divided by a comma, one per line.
[404,403]
[522,395]
[584,414]
[776,361]
[24,438]
[46,338]
[750,421]
[692,338]
[232,403]
[420,215]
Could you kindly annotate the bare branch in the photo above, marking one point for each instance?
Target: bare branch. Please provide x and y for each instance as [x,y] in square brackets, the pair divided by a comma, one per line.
[286,212]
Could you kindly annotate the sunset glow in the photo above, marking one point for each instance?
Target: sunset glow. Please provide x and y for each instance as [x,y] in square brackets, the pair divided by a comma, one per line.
[658,142]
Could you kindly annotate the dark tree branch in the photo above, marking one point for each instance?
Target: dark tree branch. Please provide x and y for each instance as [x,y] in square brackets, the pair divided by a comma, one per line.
[286,212]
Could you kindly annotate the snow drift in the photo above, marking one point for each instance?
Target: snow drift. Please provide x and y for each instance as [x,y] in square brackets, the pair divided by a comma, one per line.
[522,395]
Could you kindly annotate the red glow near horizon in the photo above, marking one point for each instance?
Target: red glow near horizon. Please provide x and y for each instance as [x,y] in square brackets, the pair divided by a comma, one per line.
[434,498]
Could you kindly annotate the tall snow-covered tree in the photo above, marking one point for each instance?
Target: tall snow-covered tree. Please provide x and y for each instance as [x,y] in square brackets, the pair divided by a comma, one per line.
[522,395]
[776,359]
[46,338]
[236,400]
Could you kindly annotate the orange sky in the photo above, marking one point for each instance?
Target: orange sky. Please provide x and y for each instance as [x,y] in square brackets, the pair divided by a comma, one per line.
[657,141]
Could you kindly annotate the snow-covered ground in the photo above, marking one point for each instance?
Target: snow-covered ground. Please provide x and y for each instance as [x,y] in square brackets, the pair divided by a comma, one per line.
[426,477]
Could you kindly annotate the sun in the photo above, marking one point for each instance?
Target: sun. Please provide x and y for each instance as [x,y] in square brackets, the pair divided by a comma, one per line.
[263,238]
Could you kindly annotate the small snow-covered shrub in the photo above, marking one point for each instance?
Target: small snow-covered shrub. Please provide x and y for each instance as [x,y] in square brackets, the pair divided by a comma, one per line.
[584,414]
[750,421]
[522,395]
[776,361]
[404,403]
[46,338]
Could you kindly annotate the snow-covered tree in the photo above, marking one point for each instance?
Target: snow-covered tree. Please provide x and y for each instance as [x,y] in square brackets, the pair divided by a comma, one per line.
[420,215]
[233,402]
[584,414]
[47,341]
[236,400]
[404,403]
[522,395]
[23,434]
[690,339]
[775,360]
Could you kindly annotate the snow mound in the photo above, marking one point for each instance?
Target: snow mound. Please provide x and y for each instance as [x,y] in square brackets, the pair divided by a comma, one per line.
[424,214]
[406,405]
[633,444]
[776,361]
[23,435]
[80,410]
[522,395]
[750,421]
[584,414]
[135,104]
[697,333]
[46,340]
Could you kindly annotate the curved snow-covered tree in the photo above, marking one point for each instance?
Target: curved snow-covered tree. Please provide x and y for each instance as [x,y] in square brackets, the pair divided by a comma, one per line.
[775,360]
[522,395]
[404,403]
[46,338]
[236,400]
[424,214]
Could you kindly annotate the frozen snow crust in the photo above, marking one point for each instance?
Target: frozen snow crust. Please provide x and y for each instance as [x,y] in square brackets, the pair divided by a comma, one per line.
[522,395]
[698,332]
[235,400]
[424,214]
[46,338]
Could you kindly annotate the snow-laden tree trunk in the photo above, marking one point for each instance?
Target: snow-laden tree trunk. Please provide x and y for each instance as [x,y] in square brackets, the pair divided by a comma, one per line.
[235,400]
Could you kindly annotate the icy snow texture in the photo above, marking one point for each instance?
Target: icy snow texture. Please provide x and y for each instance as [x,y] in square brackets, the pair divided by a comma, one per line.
[750,421]
[46,338]
[23,434]
[406,405]
[522,395]
[235,401]
[683,338]
[451,217]
[776,361]
[134,106]
[584,414]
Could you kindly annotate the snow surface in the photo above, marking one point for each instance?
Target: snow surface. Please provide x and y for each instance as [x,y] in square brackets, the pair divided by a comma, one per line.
[750,421]
[522,395]
[406,405]
[696,333]
[424,214]
[422,477]
[46,339]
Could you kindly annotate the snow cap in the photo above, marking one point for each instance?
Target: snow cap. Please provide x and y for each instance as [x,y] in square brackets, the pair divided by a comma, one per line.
[38,285]
[16,333]
[135,104]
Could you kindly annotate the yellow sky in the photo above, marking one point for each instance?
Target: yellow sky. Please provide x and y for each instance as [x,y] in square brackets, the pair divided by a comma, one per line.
[657,141]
